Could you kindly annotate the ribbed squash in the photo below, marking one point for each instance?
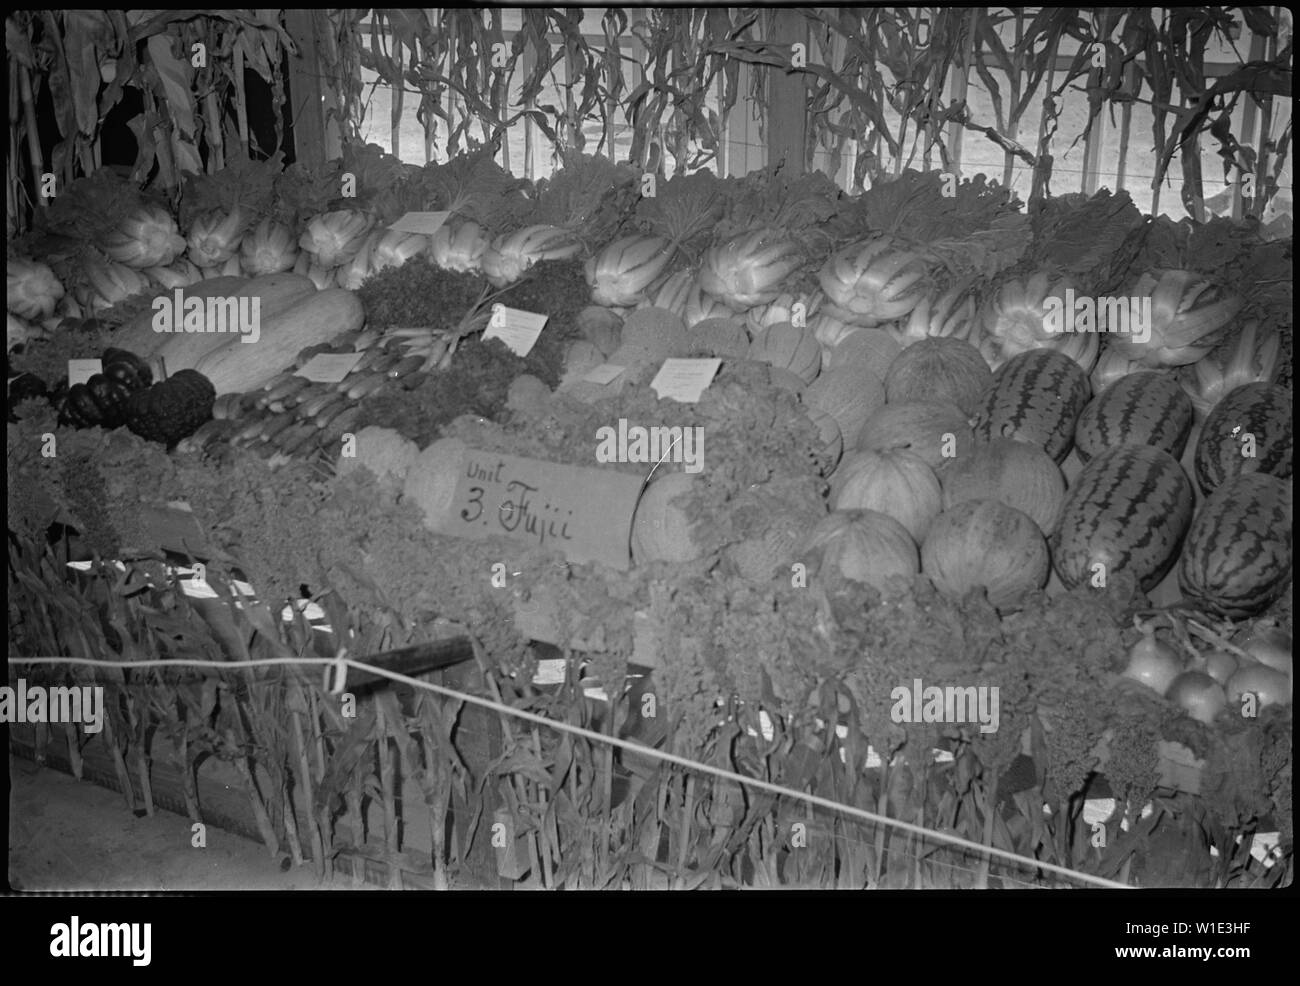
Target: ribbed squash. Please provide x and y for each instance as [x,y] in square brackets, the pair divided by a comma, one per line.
[984,544]
[1014,473]
[896,483]
[939,369]
[934,431]
[848,394]
[788,347]
[863,546]
[240,366]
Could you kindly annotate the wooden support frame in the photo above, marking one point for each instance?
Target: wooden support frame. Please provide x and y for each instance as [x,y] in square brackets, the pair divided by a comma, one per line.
[787,106]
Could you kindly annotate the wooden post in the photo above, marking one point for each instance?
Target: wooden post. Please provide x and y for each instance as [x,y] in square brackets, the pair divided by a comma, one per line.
[314,142]
[1092,143]
[1132,86]
[1249,124]
[787,101]
[960,82]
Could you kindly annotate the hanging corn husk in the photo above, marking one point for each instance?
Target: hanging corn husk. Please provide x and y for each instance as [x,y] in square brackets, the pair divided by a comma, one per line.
[31,289]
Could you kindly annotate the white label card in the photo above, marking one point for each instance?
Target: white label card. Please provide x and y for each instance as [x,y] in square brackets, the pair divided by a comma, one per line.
[517,329]
[605,373]
[330,367]
[684,379]
[427,223]
[81,370]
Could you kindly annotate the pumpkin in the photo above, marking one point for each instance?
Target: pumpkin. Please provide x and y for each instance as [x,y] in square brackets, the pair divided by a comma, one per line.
[1014,473]
[984,544]
[939,369]
[661,531]
[874,348]
[936,432]
[788,347]
[848,394]
[896,483]
[862,545]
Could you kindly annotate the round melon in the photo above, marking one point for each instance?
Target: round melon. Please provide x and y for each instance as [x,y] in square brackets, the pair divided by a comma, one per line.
[1237,557]
[934,431]
[661,530]
[1014,473]
[1250,430]
[896,483]
[941,368]
[848,394]
[984,544]
[874,348]
[788,347]
[863,546]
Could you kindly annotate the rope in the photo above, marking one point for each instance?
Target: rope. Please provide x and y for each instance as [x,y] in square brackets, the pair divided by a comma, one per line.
[638,748]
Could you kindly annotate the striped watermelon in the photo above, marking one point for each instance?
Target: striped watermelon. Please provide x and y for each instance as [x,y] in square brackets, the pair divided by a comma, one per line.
[1237,559]
[1036,397]
[1261,410]
[1128,510]
[1143,408]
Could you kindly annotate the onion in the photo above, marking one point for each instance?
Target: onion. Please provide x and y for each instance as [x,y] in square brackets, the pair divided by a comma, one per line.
[1197,694]
[1218,664]
[1154,663]
[1271,685]
[1269,645]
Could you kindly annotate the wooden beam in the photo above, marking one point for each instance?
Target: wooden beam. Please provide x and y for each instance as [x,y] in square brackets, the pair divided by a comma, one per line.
[315,140]
[787,98]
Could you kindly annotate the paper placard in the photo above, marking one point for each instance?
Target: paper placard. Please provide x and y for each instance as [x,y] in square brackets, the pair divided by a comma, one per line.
[81,370]
[517,329]
[586,514]
[330,367]
[427,223]
[684,379]
[605,373]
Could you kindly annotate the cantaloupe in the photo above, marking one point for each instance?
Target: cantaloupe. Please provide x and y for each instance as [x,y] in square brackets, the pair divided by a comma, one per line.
[896,483]
[939,369]
[935,431]
[848,394]
[788,347]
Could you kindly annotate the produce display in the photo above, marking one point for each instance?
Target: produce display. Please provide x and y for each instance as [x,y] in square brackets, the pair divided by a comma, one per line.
[907,471]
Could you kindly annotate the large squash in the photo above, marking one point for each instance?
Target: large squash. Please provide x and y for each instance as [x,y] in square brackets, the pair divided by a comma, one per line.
[983,544]
[896,483]
[240,366]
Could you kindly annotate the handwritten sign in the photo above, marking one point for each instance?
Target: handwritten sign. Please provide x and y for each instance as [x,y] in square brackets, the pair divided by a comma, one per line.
[517,329]
[81,370]
[586,514]
[684,379]
[427,223]
[330,367]
[605,373]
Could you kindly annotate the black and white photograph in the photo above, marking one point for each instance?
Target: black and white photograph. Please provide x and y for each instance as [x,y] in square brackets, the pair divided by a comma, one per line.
[811,449]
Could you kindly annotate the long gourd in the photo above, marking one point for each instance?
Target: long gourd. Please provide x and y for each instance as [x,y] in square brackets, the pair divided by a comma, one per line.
[238,367]
[276,294]
[137,336]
